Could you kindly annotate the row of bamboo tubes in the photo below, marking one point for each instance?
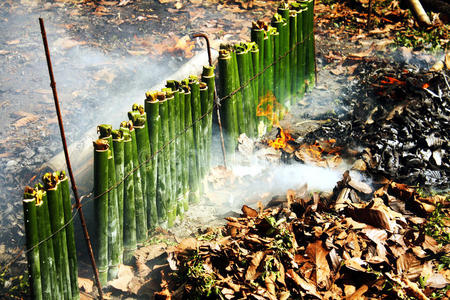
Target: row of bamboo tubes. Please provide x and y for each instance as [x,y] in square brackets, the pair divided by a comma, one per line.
[271,73]
[148,171]
[50,239]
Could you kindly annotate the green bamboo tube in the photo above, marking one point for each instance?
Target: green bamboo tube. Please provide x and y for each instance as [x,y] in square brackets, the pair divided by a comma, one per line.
[283,47]
[236,85]
[268,76]
[142,149]
[257,36]
[105,132]
[301,54]
[209,78]
[194,196]
[44,261]
[228,104]
[244,67]
[140,212]
[311,57]
[195,149]
[254,50]
[173,87]
[113,221]
[165,137]
[101,148]
[129,210]
[293,55]
[70,234]
[204,99]
[283,10]
[32,239]
[154,124]
[56,211]
[170,149]
[118,144]
[184,93]
[50,285]
[276,75]
[139,118]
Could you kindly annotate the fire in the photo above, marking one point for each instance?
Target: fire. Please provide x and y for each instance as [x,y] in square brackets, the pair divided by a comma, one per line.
[392,80]
[321,153]
[426,85]
[269,107]
[281,141]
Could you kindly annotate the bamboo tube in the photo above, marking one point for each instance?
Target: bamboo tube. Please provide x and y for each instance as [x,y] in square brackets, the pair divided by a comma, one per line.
[167,188]
[276,75]
[301,48]
[204,99]
[257,36]
[244,67]
[129,211]
[70,234]
[283,10]
[142,151]
[50,285]
[140,122]
[283,48]
[268,76]
[236,85]
[32,239]
[228,111]
[140,212]
[170,96]
[105,132]
[55,206]
[311,57]
[44,258]
[293,55]
[195,107]
[209,78]
[101,148]
[154,124]
[190,145]
[185,94]
[255,82]
[178,115]
[118,144]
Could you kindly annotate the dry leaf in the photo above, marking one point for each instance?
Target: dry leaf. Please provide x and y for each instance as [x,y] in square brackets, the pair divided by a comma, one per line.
[249,212]
[438,66]
[254,264]
[318,254]
[13,42]
[124,278]
[307,287]
[85,284]
[26,118]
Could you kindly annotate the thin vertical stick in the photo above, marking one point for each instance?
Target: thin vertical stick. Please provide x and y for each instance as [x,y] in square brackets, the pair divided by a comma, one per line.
[369,15]
[219,121]
[66,154]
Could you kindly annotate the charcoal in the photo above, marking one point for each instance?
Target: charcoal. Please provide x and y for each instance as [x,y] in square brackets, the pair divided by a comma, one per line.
[409,126]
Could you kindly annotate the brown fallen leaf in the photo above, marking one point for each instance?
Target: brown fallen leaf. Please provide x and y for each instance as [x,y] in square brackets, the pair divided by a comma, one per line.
[318,254]
[309,288]
[13,42]
[251,273]
[123,279]
[26,118]
[85,284]
[249,212]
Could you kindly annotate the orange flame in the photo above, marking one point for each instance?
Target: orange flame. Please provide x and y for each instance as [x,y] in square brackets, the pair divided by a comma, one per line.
[269,107]
[426,85]
[281,141]
[392,80]
[322,153]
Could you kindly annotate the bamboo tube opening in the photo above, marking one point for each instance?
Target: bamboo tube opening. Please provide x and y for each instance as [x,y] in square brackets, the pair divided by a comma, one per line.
[101,145]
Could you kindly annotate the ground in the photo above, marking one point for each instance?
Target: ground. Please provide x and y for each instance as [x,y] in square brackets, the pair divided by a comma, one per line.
[102,54]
